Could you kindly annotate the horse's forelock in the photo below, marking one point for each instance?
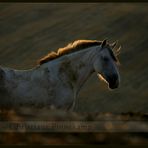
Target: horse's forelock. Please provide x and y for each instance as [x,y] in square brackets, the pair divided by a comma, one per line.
[113,52]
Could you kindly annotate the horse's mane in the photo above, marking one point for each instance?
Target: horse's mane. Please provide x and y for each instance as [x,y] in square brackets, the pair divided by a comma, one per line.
[70,48]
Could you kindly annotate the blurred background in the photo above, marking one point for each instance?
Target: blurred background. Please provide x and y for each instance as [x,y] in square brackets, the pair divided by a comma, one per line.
[28,31]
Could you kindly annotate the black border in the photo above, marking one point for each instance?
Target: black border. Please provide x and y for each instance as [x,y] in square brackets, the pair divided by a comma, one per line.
[78,146]
[73,1]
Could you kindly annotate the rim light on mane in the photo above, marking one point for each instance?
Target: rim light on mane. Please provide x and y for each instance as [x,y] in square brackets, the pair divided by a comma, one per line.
[70,48]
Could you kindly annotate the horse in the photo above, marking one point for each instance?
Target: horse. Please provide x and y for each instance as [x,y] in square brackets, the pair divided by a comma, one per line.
[59,76]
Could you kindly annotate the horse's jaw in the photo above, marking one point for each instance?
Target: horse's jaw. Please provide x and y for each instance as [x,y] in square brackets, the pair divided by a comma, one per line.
[102,78]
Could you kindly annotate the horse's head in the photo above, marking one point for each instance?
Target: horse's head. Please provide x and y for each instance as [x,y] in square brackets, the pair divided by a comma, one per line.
[105,64]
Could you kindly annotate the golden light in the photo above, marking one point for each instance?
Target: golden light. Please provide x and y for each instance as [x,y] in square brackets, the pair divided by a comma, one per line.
[102,78]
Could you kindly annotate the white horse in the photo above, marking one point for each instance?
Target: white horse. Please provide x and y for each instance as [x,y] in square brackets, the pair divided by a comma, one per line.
[59,76]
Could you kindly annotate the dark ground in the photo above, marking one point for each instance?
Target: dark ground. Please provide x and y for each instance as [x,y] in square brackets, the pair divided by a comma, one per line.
[30,31]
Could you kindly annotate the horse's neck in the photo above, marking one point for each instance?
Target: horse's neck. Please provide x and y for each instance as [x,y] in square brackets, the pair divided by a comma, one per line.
[78,66]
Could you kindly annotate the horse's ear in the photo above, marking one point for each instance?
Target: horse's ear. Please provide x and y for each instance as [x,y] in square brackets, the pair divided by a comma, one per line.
[103,43]
[113,44]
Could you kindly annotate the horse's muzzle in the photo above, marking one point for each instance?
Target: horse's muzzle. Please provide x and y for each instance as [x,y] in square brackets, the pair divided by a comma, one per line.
[113,81]
[113,86]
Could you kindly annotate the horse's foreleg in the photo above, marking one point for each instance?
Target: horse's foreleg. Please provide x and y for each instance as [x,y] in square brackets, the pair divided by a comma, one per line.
[72,106]
[73,103]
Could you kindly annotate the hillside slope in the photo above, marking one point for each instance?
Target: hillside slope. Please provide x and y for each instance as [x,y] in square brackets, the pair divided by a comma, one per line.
[30,31]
